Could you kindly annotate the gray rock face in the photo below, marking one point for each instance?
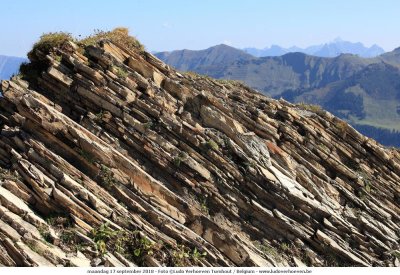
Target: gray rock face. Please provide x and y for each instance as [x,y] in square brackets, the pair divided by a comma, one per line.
[112,158]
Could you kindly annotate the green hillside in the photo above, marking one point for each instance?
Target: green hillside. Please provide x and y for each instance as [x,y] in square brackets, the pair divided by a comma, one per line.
[364,91]
[270,75]
[370,97]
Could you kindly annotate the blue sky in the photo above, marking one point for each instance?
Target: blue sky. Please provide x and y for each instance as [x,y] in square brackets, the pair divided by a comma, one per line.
[178,24]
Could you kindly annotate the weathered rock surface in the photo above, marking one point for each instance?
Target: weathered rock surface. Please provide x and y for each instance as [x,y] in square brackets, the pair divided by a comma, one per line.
[182,170]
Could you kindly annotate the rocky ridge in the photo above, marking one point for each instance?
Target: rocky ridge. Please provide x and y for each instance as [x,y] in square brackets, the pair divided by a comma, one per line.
[110,157]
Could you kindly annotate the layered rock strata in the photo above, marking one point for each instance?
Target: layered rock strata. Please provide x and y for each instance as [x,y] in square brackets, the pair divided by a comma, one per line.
[110,157]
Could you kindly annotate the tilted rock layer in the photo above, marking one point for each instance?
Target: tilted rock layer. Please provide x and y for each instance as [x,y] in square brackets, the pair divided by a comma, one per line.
[113,158]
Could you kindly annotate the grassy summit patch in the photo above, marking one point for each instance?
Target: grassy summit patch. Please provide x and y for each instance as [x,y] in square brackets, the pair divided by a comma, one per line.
[49,43]
[119,36]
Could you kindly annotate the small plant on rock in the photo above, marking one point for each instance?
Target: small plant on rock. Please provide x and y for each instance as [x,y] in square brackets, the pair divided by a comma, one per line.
[101,236]
[179,159]
[148,125]
[120,72]
[88,157]
[183,256]
[284,247]
[211,145]
[58,57]
[310,107]
[134,245]
[100,115]
[44,230]
[6,174]
[48,41]
[180,256]
[342,127]
[268,249]
[107,176]
[145,247]
[68,236]
[59,221]
[367,188]
[197,255]
[204,207]
[119,36]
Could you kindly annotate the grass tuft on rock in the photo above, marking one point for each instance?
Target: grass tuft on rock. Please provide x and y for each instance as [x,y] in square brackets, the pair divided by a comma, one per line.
[119,36]
[48,41]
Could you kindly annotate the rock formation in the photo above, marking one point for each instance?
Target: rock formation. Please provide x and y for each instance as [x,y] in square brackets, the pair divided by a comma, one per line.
[110,157]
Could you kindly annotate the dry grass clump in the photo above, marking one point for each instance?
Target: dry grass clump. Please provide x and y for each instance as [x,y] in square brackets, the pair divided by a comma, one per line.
[119,36]
[342,127]
[230,82]
[48,41]
[310,107]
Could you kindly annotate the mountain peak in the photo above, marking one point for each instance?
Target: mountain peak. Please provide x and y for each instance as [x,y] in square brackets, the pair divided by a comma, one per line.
[330,49]
[338,40]
[223,46]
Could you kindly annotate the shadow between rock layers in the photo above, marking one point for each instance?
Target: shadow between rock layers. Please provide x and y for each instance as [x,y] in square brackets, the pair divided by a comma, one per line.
[113,158]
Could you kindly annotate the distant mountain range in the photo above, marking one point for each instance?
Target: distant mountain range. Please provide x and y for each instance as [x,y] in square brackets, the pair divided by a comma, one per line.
[363,91]
[271,75]
[9,65]
[332,49]
[212,61]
